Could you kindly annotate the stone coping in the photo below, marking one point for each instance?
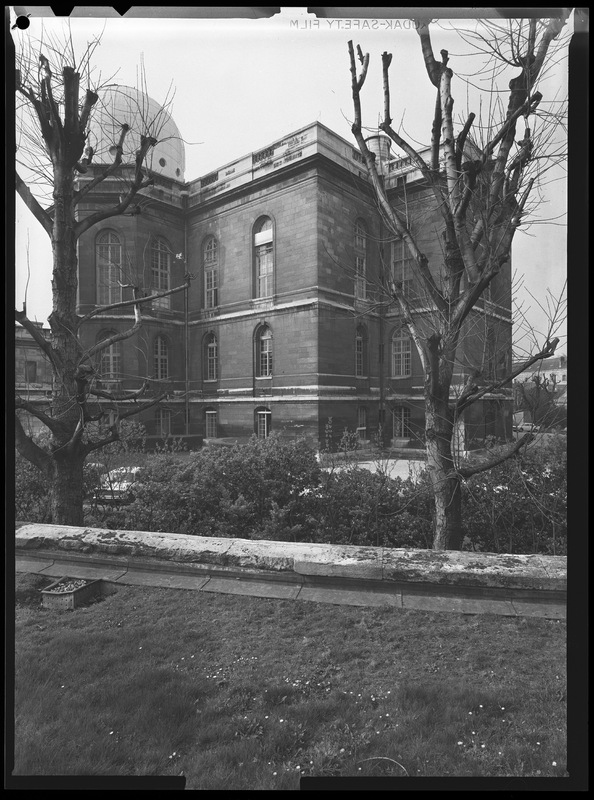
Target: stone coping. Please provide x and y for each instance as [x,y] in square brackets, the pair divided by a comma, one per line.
[300,561]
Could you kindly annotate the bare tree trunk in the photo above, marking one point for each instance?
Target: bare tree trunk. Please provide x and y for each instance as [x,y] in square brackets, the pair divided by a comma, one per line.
[66,490]
[439,429]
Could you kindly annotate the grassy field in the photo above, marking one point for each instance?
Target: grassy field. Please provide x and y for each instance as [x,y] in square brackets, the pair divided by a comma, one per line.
[248,693]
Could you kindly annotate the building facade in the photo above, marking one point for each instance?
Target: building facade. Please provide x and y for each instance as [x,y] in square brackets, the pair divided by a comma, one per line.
[286,325]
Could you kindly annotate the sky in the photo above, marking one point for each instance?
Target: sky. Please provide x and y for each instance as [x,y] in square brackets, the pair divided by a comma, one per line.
[241,84]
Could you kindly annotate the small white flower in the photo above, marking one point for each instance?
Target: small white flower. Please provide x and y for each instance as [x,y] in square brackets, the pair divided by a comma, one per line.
[460,742]
[554,763]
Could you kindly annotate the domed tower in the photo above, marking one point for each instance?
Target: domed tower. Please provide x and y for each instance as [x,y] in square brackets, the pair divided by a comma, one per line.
[119,105]
[143,247]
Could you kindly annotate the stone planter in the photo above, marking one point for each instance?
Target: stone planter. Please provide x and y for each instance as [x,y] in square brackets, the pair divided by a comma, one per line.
[70,593]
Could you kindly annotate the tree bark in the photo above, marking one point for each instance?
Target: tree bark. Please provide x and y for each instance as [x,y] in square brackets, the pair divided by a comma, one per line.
[445,482]
[66,489]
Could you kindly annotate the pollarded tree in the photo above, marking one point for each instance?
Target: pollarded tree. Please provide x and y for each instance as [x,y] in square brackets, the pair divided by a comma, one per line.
[58,98]
[480,183]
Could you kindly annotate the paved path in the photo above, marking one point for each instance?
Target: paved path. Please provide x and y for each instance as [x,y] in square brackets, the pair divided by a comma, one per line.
[341,591]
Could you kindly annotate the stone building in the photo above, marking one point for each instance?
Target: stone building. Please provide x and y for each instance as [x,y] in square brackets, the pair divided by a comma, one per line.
[285,325]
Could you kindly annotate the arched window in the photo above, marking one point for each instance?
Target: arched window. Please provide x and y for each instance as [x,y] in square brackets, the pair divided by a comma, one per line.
[110,362]
[263,258]
[108,255]
[262,422]
[211,371]
[160,271]
[360,352]
[210,261]
[401,354]
[210,423]
[360,260]
[264,352]
[161,358]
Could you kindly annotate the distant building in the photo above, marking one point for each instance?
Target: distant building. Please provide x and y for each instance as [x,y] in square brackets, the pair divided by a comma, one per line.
[33,375]
[285,326]
[551,374]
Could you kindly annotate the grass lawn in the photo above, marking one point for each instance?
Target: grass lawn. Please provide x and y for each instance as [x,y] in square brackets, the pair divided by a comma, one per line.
[248,693]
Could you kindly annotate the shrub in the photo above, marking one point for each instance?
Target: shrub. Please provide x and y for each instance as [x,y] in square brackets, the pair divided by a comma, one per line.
[245,491]
[520,506]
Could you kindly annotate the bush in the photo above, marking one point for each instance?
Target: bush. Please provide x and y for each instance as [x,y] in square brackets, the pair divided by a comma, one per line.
[254,490]
[520,506]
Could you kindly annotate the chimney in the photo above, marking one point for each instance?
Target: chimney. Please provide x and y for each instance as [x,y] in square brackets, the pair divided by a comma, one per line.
[380,147]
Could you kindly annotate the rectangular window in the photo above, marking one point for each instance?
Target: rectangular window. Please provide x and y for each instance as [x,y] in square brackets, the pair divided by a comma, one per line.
[402,268]
[401,418]
[265,357]
[360,282]
[264,269]
[359,356]
[211,361]
[211,424]
[401,357]
[110,366]
[263,424]
[160,271]
[31,371]
[163,422]
[211,288]
[362,423]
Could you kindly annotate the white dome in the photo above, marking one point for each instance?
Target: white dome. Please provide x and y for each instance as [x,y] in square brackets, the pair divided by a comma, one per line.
[123,104]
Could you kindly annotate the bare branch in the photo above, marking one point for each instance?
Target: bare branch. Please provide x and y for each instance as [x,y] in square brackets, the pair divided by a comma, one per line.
[468,471]
[54,425]
[29,450]
[472,393]
[135,301]
[38,337]
[33,205]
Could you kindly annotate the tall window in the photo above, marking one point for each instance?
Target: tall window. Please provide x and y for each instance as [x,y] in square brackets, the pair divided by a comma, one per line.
[401,419]
[360,260]
[402,268]
[110,361]
[210,258]
[211,357]
[160,271]
[264,257]
[264,352]
[108,254]
[161,358]
[401,355]
[362,422]
[163,419]
[210,424]
[31,371]
[263,421]
[360,365]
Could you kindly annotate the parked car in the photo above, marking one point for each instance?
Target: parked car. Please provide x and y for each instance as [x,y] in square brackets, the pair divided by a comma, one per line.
[116,486]
[527,427]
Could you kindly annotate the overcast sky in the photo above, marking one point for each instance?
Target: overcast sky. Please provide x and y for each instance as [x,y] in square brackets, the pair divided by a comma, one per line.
[241,84]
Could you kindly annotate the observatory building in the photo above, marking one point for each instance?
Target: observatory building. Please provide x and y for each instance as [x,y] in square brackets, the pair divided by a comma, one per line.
[286,325]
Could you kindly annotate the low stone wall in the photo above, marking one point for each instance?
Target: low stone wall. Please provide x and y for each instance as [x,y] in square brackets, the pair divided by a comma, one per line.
[299,561]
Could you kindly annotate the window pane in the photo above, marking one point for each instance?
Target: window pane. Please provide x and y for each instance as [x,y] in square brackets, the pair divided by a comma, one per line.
[211,424]
[109,267]
[263,424]
[401,418]
[160,264]
[211,359]
[401,356]
[264,269]
[161,359]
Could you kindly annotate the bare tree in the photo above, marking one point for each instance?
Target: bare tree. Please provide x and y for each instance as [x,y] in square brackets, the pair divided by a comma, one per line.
[480,185]
[58,97]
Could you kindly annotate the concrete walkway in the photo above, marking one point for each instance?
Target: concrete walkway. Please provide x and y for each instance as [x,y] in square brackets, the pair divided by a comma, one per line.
[402,579]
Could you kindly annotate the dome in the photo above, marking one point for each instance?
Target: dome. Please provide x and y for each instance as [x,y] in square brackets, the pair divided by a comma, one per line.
[124,104]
